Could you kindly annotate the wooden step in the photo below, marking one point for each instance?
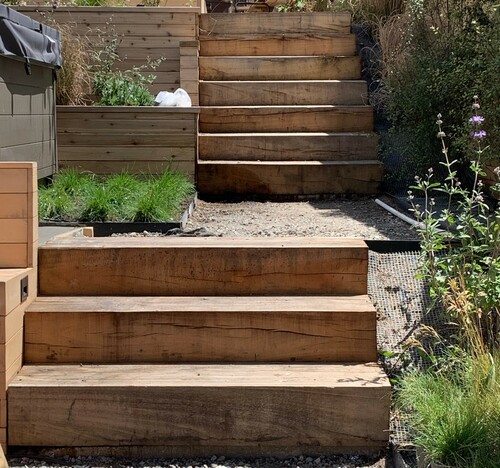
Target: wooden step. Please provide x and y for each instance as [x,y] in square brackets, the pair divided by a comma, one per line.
[200,329]
[280,68]
[282,44]
[220,24]
[289,177]
[194,410]
[288,146]
[283,93]
[324,118]
[210,266]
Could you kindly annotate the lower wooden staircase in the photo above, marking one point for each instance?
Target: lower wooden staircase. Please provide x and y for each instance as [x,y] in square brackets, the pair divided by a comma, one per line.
[196,346]
[283,107]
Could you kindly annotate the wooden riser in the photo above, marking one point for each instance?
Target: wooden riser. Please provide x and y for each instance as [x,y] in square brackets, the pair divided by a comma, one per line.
[282,93]
[279,68]
[205,409]
[220,24]
[284,44]
[200,329]
[288,177]
[208,266]
[288,146]
[286,119]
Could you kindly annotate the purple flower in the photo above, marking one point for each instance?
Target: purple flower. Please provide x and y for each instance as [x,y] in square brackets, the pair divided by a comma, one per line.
[478,135]
[476,119]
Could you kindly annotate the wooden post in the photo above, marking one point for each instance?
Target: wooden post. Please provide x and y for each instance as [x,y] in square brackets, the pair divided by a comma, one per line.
[18,265]
[189,69]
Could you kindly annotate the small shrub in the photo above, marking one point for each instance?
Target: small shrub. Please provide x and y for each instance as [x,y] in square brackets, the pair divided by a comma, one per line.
[114,87]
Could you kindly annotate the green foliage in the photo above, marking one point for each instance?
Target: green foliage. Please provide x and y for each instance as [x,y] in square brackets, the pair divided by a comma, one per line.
[455,415]
[461,247]
[162,196]
[121,197]
[114,87]
[447,51]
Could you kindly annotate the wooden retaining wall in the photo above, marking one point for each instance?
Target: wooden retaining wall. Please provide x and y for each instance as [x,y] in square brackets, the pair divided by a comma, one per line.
[27,115]
[109,140]
[145,32]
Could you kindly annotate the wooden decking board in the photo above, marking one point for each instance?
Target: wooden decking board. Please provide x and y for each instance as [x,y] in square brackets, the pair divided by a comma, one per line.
[297,146]
[200,329]
[323,406]
[290,92]
[280,68]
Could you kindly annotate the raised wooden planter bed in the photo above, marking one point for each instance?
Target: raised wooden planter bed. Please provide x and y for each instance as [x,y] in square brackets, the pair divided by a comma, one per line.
[107,140]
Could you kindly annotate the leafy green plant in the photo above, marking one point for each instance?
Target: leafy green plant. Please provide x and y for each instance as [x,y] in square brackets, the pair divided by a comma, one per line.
[432,57]
[461,246]
[114,87]
[75,196]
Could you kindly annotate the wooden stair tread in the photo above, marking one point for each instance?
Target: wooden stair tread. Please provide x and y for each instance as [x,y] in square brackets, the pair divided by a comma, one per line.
[203,409]
[282,92]
[221,304]
[298,163]
[280,68]
[216,24]
[181,266]
[227,243]
[338,375]
[284,134]
[285,44]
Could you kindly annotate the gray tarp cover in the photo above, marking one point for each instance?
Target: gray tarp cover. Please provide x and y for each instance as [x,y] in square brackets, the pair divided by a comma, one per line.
[27,39]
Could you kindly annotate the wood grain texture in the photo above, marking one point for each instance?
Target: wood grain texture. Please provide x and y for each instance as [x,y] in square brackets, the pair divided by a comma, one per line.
[249,406]
[216,24]
[284,44]
[110,140]
[289,177]
[248,119]
[280,68]
[200,329]
[10,287]
[282,93]
[204,266]
[288,146]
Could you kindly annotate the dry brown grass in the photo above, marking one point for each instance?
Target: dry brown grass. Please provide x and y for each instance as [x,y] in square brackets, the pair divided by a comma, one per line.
[73,80]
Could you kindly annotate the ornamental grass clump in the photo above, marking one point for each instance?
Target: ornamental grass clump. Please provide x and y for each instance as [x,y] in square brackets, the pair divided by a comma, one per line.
[85,197]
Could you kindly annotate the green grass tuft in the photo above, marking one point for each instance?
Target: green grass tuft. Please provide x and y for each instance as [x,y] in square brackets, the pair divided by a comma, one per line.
[75,196]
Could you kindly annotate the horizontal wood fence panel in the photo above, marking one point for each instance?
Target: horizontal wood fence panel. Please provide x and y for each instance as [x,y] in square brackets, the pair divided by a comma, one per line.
[127,153]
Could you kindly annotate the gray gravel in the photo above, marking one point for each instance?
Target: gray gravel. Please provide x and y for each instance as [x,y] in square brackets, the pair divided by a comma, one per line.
[345,461]
[325,218]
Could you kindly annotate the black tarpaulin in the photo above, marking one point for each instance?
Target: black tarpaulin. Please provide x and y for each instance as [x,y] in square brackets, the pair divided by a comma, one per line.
[24,38]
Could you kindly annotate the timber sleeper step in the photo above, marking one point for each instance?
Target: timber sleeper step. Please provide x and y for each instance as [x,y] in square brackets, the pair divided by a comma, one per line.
[250,409]
[283,92]
[289,177]
[280,68]
[221,24]
[296,146]
[200,329]
[210,266]
[284,44]
[305,118]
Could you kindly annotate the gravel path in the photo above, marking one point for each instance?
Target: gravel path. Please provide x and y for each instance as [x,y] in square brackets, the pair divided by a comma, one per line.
[325,218]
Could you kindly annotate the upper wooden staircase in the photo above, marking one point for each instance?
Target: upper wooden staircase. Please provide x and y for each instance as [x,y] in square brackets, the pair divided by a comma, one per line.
[283,108]
[196,346]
